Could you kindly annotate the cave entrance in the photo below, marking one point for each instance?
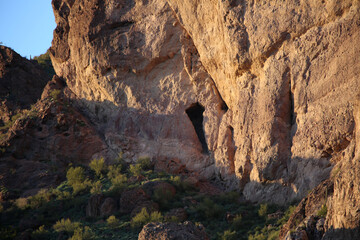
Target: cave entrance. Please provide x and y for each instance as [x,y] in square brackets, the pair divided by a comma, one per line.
[195,113]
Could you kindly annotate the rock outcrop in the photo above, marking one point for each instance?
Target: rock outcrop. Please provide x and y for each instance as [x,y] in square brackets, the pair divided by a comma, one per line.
[172,231]
[259,94]
[41,132]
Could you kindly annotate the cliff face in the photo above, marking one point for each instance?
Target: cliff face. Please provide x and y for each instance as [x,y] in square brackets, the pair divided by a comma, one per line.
[259,94]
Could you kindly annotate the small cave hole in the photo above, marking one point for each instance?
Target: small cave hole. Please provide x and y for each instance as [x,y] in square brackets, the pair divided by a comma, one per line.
[224,107]
[195,113]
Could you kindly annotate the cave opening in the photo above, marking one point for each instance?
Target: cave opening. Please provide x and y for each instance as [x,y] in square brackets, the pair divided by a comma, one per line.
[195,113]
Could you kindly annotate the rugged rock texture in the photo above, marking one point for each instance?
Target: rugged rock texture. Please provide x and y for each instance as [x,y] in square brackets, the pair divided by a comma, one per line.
[172,231]
[21,83]
[38,145]
[251,92]
[137,71]
[259,94]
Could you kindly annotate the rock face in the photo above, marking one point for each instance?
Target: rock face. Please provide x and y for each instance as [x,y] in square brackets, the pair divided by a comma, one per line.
[172,231]
[259,94]
[21,85]
[38,145]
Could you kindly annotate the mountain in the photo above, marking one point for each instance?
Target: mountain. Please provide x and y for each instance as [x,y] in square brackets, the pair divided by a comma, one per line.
[260,97]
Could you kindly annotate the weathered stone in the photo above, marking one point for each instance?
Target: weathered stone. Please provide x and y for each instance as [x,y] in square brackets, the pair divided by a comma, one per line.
[178,213]
[108,207]
[172,231]
[297,235]
[131,199]
[258,94]
[93,206]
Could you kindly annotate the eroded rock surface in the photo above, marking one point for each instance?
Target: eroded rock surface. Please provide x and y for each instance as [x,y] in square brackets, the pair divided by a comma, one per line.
[258,94]
[172,231]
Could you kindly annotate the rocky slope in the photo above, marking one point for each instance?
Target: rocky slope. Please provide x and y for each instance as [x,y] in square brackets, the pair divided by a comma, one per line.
[258,94]
[41,133]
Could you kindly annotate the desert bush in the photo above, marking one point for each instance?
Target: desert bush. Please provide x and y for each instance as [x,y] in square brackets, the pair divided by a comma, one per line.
[228,198]
[144,163]
[228,235]
[42,197]
[22,203]
[45,62]
[208,209]
[112,221]
[286,216]
[257,236]
[40,234]
[323,211]
[263,210]
[114,171]
[82,233]
[135,170]
[54,94]
[65,225]
[7,232]
[98,166]
[96,187]
[163,197]
[119,181]
[77,179]
[143,217]
[237,222]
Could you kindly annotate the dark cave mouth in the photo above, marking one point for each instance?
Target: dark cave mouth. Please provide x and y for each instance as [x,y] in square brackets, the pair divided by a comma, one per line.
[195,114]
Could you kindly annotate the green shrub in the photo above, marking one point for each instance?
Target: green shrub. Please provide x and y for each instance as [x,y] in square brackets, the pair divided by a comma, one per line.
[286,216]
[96,187]
[82,233]
[77,179]
[229,197]
[42,197]
[144,163]
[22,203]
[98,166]
[65,225]
[274,235]
[7,232]
[257,236]
[208,209]
[45,62]
[228,235]
[163,197]
[119,181]
[237,222]
[143,217]
[112,221]
[114,171]
[54,94]
[40,233]
[263,210]
[135,170]
[323,211]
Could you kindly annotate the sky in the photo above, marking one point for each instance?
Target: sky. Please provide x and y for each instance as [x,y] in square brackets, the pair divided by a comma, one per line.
[27,26]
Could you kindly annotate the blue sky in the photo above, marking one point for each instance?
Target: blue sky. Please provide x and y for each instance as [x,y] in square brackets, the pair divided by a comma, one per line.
[27,26]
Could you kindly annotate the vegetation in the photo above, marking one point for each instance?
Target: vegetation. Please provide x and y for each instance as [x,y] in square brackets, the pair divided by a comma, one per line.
[323,211]
[98,166]
[45,62]
[60,213]
[143,217]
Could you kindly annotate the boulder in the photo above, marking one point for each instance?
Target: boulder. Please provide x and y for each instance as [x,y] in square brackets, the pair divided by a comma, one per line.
[108,207]
[130,199]
[172,231]
[94,204]
[179,214]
